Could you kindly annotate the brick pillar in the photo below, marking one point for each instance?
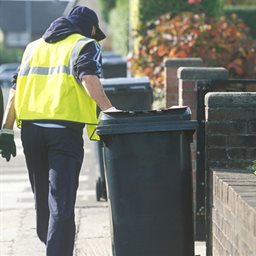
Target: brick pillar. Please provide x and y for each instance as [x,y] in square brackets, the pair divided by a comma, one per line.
[231,129]
[230,143]
[187,86]
[188,89]
[171,80]
[188,78]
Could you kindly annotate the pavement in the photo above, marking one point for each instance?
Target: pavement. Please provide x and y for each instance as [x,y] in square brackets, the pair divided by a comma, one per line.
[17,214]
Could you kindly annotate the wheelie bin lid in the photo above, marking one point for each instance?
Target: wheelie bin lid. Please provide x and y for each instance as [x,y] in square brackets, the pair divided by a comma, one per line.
[110,54]
[126,83]
[114,60]
[124,122]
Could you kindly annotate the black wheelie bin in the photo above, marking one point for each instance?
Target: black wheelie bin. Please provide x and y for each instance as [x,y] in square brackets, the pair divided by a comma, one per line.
[113,66]
[126,94]
[109,54]
[149,184]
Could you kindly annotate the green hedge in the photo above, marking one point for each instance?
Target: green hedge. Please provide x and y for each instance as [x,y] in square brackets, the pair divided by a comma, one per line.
[246,13]
[106,6]
[119,27]
[9,55]
[240,2]
[151,9]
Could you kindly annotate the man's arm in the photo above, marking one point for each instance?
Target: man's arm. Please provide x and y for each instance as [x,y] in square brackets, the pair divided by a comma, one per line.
[94,88]
[9,116]
[87,69]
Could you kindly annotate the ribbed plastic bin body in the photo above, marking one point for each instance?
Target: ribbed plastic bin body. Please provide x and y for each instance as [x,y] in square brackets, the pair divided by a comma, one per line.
[148,172]
[125,94]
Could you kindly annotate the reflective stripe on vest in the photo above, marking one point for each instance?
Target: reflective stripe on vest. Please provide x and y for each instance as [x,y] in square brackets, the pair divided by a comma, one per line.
[26,69]
[47,88]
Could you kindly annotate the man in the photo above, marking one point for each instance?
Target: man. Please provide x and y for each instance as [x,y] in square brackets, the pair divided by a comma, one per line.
[56,91]
[1,106]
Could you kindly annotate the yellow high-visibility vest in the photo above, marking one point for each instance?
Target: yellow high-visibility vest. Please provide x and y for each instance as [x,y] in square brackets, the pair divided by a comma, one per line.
[47,88]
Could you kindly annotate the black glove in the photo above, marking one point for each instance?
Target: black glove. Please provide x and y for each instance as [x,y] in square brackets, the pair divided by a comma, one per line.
[7,144]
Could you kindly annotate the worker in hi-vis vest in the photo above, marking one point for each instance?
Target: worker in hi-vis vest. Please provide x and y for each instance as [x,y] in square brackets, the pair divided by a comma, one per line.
[54,95]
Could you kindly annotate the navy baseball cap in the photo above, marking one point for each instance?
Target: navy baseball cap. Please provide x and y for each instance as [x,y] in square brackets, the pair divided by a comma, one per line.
[85,18]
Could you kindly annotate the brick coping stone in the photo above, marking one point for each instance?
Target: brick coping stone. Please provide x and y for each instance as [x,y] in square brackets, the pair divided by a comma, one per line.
[183,62]
[202,73]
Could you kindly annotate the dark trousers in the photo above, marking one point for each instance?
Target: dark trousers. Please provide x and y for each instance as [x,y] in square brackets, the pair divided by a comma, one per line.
[54,157]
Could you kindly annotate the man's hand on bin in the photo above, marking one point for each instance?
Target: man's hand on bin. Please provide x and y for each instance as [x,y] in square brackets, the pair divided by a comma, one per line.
[112,109]
[109,110]
[7,144]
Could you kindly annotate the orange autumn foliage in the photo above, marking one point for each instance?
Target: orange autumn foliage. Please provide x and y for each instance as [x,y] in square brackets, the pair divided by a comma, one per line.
[220,42]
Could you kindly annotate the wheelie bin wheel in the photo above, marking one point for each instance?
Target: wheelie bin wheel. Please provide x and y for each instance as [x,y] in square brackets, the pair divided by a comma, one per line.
[98,189]
[101,192]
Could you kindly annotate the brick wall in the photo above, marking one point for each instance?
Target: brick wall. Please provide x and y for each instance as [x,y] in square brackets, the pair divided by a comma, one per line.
[171,79]
[233,213]
[231,145]
[183,77]
[189,77]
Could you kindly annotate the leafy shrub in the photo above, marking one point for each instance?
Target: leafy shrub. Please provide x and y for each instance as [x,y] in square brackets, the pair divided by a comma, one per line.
[246,13]
[252,167]
[218,41]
